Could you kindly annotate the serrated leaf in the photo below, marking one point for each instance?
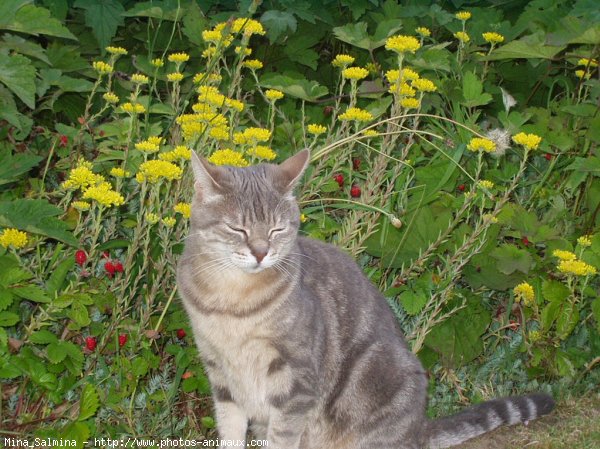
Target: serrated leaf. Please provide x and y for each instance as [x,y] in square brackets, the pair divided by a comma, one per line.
[79,314]
[596,312]
[165,10]
[510,258]
[8,319]
[413,302]
[9,370]
[58,276]
[69,84]
[472,89]
[139,367]
[89,402]
[15,165]
[31,19]
[18,75]
[56,352]
[37,217]
[549,314]
[354,34]
[24,46]
[566,320]
[522,49]
[555,291]
[6,298]
[277,23]
[194,23]
[31,293]
[11,272]
[586,164]
[3,339]
[74,360]
[78,431]
[103,17]
[295,86]
[43,337]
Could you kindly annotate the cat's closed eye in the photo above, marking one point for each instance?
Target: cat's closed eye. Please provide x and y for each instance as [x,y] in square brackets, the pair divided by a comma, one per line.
[273,232]
[239,231]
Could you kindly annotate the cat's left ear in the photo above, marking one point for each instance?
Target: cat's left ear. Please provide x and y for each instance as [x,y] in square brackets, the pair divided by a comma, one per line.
[292,168]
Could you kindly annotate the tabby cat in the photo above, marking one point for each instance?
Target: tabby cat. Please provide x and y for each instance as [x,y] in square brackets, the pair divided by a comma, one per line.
[298,345]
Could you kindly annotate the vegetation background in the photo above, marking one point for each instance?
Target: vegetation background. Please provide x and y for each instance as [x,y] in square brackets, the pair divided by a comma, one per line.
[455,156]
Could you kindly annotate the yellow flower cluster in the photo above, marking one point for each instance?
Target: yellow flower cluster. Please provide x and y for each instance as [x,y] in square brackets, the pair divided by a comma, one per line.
[370,133]
[576,267]
[82,177]
[178,58]
[462,36]
[342,60]
[252,136]
[133,108]
[118,172]
[152,218]
[424,85]
[184,209]
[157,62]
[489,218]
[355,73]
[111,98]
[228,157]
[484,183]
[262,152]
[81,205]
[524,291]
[356,114]
[583,74]
[587,62]
[493,38]
[529,141]
[273,95]
[463,15]
[147,146]
[403,89]
[156,170]
[423,31]
[248,26]
[180,152]
[479,144]
[102,67]
[535,336]
[103,194]
[174,77]
[247,51]
[316,129]
[253,64]
[169,222]
[139,78]
[116,50]
[13,237]
[585,240]
[410,103]
[564,255]
[402,44]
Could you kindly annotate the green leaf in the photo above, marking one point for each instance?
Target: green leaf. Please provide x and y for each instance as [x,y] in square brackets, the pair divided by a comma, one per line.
[17,73]
[522,49]
[6,298]
[31,293]
[58,276]
[208,422]
[68,84]
[56,352]
[586,164]
[294,86]
[354,34]
[31,19]
[413,302]
[8,319]
[78,431]
[74,361]
[555,291]
[15,165]
[596,312]
[3,341]
[103,17]
[510,258]
[139,367]
[566,320]
[164,10]
[277,23]
[194,23]
[88,403]
[24,46]
[79,314]
[11,272]
[550,314]
[473,91]
[43,337]
[37,217]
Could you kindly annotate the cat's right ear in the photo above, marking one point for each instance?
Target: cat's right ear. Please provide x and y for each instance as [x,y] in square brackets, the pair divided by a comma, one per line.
[208,178]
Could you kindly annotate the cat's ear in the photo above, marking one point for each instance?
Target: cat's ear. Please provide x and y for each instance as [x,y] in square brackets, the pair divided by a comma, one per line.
[208,178]
[292,169]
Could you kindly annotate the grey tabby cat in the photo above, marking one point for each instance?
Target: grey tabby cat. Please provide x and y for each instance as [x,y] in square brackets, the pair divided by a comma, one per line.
[297,343]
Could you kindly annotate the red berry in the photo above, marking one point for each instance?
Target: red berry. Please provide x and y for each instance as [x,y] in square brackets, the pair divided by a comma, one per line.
[105,254]
[80,257]
[355,191]
[548,156]
[461,188]
[525,241]
[64,141]
[356,163]
[90,343]
[101,133]
[122,340]
[327,111]
[180,333]
[187,375]
[339,178]
[513,325]
[81,120]
[110,268]
[118,267]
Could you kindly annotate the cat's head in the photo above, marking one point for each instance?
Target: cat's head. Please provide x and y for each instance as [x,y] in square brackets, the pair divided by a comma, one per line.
[246,218]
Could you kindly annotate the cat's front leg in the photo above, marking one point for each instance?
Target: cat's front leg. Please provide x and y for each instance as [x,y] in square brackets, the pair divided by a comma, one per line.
[232,421]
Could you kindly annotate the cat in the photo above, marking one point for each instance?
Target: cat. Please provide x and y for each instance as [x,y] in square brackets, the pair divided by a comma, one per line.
[298,345]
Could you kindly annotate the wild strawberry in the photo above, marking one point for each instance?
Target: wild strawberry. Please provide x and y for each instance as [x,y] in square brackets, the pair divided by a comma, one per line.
[105,254]
[461,188]
[525,241]
[80,257]
[110,268]
[339,178]
[187,375]
[355,191]
[356,163]
[327,111]
[90,343]
[513,325]
[180,334]
[101,133]
[548,156]
[64,141]
[81,120]
[122,340]
[118,267]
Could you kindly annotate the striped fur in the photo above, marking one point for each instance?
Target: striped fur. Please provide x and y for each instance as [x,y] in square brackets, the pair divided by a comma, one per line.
[298,345]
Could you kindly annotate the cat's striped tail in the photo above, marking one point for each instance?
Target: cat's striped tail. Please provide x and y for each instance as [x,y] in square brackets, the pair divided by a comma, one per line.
[479,419]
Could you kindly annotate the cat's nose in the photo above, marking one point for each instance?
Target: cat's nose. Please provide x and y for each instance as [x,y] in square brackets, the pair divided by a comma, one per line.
[259,254]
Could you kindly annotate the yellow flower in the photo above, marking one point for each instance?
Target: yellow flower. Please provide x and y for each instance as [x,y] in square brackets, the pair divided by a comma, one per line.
[316,129]
[104,194]
[248,26]
[82,177]
[372,68]
[479,144]
[247,51]
[234,104]
[256,135]
[564,255]
[462,36]
[209,51]
[219,133]
[355,73]
[370,133]
[179,152]
[585,240]
[139,78]
[342,60]
[81,205]
[152,218]
[178,58]
[111,98]
[463,15]
[582,74]
[214,36]
[402,44]
[410,103]
[228,157]
[303,218]
[169,222]
[423,31]
[534,336]
[116,50]
[489,218]
[273,95]
[357,114]
[253,64]
[402,89]
[424,85]
[262,152]
[529,141]
[146,147]
[484,183]
[155,170]
[13,237]
[576,267]
[157,62]
[587,62]
[133,108]
[174,77]
[524,291]
[493,38]
[184,209]
[102,67]
[407,74]
[156,140]
[118,172]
